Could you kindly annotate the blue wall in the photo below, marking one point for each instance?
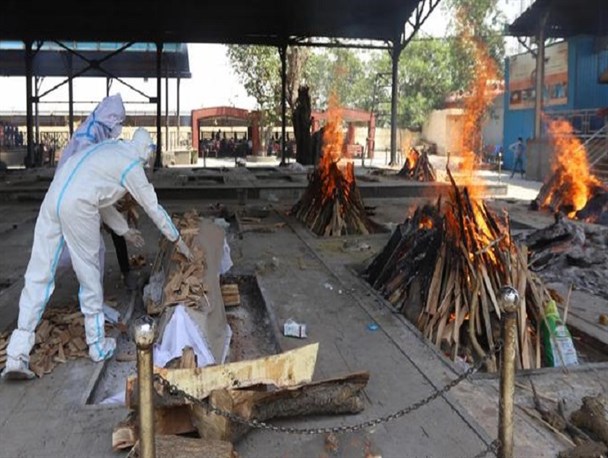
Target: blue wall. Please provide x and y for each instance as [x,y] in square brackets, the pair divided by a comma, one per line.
[584,92]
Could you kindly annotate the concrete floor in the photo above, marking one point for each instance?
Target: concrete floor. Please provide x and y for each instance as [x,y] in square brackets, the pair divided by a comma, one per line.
[311,280]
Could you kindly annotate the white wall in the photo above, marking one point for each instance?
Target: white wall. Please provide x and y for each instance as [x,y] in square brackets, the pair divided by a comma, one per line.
[443,127]
[439,130]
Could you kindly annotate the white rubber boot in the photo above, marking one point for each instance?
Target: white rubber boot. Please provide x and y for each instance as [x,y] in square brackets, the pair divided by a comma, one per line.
[102,349]
[17,369]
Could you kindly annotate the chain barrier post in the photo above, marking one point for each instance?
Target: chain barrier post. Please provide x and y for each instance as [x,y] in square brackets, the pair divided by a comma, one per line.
[144,331]
[509,300]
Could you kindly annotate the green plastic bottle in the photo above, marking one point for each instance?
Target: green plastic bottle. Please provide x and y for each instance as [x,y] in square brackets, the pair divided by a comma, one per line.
[557,339]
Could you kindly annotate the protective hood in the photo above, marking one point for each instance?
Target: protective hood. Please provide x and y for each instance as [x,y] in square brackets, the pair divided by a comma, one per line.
[103,123]
[142,144]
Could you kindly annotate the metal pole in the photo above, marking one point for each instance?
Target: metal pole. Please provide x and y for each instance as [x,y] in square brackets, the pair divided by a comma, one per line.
[166,110]
[158,163]
[144,330]
[283,54]
[540,77]
[509,300]
[177,116]
[28,100]
[70,97]
[500,167]
[36,113]
[396,50]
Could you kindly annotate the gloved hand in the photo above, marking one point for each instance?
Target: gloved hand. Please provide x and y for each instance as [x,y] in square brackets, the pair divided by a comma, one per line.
[183,249]
[134,237]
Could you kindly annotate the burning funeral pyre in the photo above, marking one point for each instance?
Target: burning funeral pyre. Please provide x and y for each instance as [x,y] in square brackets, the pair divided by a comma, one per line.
[418,167]
[443,268]
[571,188]
[331,204]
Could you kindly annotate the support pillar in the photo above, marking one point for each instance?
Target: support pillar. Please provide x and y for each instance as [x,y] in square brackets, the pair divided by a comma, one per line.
[283,54]
[177,116]
[395,52]
[166,110]
[540,77]
[158,163]
[28,102]
[70,97]
[36,108]
[108,86]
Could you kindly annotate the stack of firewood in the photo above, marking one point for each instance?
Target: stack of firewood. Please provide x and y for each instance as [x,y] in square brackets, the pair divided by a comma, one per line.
[443,268]
[332,204]
[184,282]
[60,337]
[230,294]
[418,167]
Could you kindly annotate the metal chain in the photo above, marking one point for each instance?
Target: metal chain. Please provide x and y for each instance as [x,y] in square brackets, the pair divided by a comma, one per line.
[491,448]
[175,391]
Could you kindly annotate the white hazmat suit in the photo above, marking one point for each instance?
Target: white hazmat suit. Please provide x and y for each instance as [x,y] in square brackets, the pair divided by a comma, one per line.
[105,122]
[89,183]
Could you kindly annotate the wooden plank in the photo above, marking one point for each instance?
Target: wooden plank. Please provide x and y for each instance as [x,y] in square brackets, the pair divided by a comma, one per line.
[336,396]
[186,447]
[433,296]
[291,368]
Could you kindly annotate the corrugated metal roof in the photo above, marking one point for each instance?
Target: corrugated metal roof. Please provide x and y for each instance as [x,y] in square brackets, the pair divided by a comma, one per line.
[566,18]
[189,21]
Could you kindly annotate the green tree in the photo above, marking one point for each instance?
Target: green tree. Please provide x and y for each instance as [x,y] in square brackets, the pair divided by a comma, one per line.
[425,80]
[343,71]
[259,70]
[483,20]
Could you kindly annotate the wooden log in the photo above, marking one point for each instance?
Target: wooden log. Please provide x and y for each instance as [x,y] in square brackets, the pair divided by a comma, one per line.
[185,447]
[232,301]
[167,421]
[285,369]
[126,433]
[591,416]
[337,396]
[590,449]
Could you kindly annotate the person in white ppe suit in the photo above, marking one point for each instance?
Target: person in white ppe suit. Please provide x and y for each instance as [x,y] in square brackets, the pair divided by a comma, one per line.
[86,187]
[105,122]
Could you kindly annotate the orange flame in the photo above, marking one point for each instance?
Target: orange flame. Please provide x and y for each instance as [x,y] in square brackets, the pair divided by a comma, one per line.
[411,158]
[425,223]
[570,168]
[479,98]
[476,104]
[333,174]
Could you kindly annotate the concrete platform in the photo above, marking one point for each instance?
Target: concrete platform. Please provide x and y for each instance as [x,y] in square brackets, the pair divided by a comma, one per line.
[267,183]
[312,280]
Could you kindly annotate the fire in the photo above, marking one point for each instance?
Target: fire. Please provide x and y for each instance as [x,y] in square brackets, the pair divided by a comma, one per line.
[425,223]
[570,168]
[475,231]
[479,99]
[412,157]
[333,151]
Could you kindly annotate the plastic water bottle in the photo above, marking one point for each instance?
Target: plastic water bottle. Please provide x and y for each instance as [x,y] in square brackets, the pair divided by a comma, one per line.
[559,348]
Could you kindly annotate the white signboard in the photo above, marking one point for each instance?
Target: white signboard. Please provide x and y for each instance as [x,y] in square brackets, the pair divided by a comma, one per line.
[522,78]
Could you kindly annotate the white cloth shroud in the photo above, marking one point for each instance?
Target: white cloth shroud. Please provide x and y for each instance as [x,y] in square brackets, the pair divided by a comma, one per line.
[180,332]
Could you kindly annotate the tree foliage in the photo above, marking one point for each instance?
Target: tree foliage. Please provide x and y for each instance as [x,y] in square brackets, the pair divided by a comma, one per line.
[259,70]
[429,69]
[340,71]
[485,21]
